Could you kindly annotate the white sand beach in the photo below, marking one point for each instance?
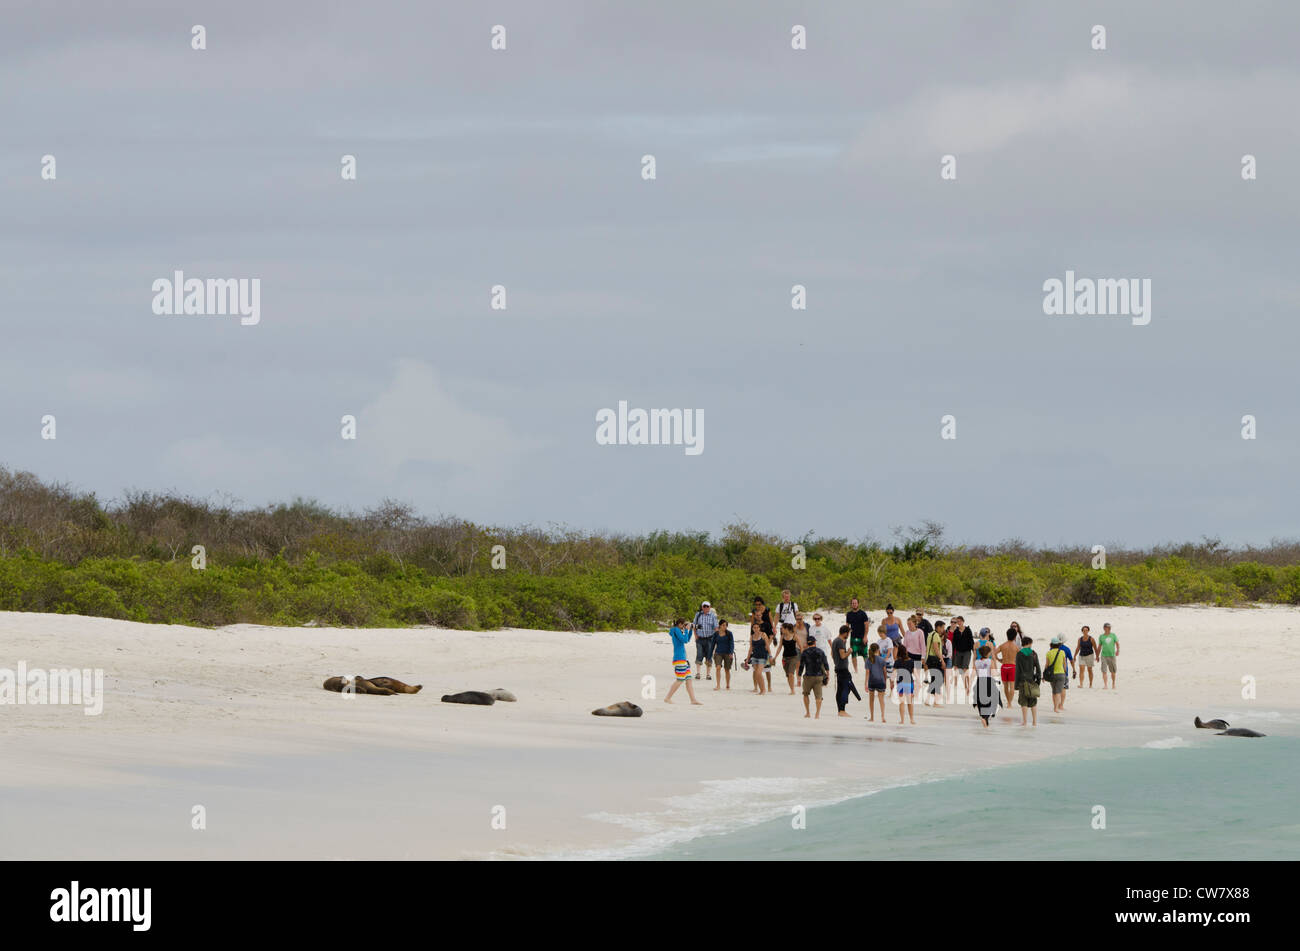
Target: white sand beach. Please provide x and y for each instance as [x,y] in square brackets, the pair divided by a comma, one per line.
[235,720]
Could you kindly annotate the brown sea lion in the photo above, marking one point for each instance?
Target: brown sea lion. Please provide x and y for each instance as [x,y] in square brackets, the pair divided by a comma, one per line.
[625,708]
[475,697]
[395,685]
[1210,724]
[377,686]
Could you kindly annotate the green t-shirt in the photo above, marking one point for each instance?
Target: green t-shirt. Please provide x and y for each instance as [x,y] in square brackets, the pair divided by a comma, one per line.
[1109,645]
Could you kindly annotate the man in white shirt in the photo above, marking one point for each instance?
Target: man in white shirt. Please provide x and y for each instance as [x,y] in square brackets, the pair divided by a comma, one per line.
[786,610]
[705,626]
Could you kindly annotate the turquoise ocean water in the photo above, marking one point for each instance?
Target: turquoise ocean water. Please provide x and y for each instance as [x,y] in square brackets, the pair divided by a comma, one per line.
[1222,798]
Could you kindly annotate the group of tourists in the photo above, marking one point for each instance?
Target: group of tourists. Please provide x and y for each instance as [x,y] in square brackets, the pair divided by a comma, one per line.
[903,653]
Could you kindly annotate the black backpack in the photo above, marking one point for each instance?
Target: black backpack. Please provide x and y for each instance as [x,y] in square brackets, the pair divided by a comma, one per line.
[814,662]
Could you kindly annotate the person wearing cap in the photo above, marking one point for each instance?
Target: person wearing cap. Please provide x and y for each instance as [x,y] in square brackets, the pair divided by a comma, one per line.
[1056,671]
[1072,669]
[706,627]
[814,672]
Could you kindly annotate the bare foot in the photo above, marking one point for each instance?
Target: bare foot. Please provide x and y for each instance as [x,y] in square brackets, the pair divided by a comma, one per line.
[845,713]
[807,716]
[696,703]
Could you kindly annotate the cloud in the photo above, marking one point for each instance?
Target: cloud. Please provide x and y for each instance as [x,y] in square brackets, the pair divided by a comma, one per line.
[417,425]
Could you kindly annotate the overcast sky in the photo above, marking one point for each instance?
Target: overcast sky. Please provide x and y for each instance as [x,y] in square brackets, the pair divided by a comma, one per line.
[775,167]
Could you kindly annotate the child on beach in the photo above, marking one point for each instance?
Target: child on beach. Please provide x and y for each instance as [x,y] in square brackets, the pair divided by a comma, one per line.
[903,673]
[886,647]
[987,697]
[681,666]
[876,684]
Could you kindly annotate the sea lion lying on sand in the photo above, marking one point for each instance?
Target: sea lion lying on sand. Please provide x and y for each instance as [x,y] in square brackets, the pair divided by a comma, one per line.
[625,708]
[379,686]
[470,696]
[1240,731]
[501,693]
[1211,724]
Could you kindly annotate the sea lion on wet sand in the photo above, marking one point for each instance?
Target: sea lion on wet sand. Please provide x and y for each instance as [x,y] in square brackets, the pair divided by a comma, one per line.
[476,697]
[1240,731]
[1211,724]
[624,708]
[378,686]
[501,693]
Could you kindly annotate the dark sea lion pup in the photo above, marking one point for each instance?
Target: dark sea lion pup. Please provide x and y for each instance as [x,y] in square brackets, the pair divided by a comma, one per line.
[1240,731]
[625,708]
[1211,724]
[476,697]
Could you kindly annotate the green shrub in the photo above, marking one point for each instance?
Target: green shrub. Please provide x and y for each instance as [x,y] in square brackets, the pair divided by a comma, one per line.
[1102,587]
[1256,581]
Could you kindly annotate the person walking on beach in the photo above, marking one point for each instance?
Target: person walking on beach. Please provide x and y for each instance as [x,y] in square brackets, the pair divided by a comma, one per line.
[1006,658]
[681,634]
[801,632]
[893,625]
[913,641]
[1029,678]
[963,647]
[724,653]
[1109,644]
[790,654]
[857,621]
[843,677]
[765,625]
[934,662]
[904,674]
[1085,654]
[813,672]
[926,627]
[787,610]
[1070,667]
[823,636]
[886,648]
[1057,673]
[876,681]
[756,659]
[705,626]
[1014,631]
[987,698]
